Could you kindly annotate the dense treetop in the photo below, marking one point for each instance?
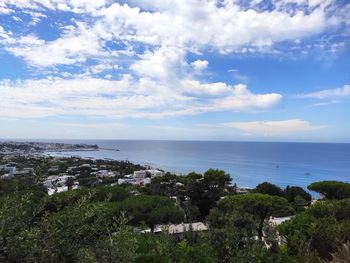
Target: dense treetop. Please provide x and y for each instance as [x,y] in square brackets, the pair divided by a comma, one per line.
[331,189]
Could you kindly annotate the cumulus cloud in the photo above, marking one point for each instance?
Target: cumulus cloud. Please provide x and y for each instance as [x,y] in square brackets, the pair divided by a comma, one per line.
[329,93]
[146,44]
[164,63]
[199,24]
[124,98]
[273,128]
[76,44]
[241,99]
[198,88]
[190,25]
[200,64]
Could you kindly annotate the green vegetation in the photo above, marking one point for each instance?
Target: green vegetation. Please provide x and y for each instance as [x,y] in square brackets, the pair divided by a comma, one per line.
[296,196]
[259,206]
[112,223]
[269,189]
[150,210]
[331,189]
[319,230]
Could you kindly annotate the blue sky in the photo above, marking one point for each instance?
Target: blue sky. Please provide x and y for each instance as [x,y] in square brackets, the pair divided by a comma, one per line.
[196,70]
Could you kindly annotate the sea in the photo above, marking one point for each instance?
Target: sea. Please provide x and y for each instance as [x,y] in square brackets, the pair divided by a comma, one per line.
[248,163]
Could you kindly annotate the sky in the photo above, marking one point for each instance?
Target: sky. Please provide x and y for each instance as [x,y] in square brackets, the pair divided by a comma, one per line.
[258,70]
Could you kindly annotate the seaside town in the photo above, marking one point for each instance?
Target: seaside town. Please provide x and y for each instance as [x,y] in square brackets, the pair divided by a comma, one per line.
[11,148]
[18,159]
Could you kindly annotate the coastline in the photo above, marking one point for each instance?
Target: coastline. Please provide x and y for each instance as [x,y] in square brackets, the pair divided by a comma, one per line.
[247,163]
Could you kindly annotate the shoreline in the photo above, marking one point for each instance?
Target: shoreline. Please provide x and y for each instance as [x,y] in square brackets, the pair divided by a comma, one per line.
[249,165]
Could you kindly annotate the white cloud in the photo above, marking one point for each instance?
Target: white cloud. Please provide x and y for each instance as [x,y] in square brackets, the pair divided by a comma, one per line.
[329,93]
[36,16]
[124,98]
[320,104]
[5,37]
[199,64]
[2,31]
[241,99]
[231,98]
[96,69]
[197,24]
[198,88]
[164,63]
[74,46]
[93,126]
[273,128]
[238,76]
[4,10]
[76,6]
[150,42]
[188,25]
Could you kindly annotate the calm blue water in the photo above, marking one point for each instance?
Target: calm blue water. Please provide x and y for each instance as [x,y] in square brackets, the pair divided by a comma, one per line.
[249,163]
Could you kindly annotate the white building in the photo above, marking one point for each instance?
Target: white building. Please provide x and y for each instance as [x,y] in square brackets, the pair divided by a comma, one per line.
[134,181]
[7,176]
[140,174]
[105,173]
[275,221]
[141,177]
[56,184]
[11,170]
[60,189]
[155,173]
[150,172]
[178,229]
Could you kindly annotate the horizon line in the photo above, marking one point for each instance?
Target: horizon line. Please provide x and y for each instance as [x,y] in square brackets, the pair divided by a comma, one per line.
[171,140]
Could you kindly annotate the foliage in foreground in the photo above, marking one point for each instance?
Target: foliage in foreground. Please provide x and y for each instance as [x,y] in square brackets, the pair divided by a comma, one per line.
[318,231]
[103,224]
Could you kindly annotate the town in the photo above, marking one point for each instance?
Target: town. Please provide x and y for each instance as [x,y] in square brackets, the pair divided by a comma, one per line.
[59,174]
[11,148]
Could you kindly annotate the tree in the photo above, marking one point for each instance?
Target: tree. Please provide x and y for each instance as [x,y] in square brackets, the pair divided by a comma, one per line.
[331,189]
[18,212]
[201,252]
[75,227]
[299,203]
[164,185]
[191,211]
[199,197]
[260,206]
[292,192]
[216,178]
[70,182]
[232,235]
[318,230]
[230,232]
[59,201]
[192,176]
[269,189]
[120,246]
[206,191]
[110,193]
[150,210]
